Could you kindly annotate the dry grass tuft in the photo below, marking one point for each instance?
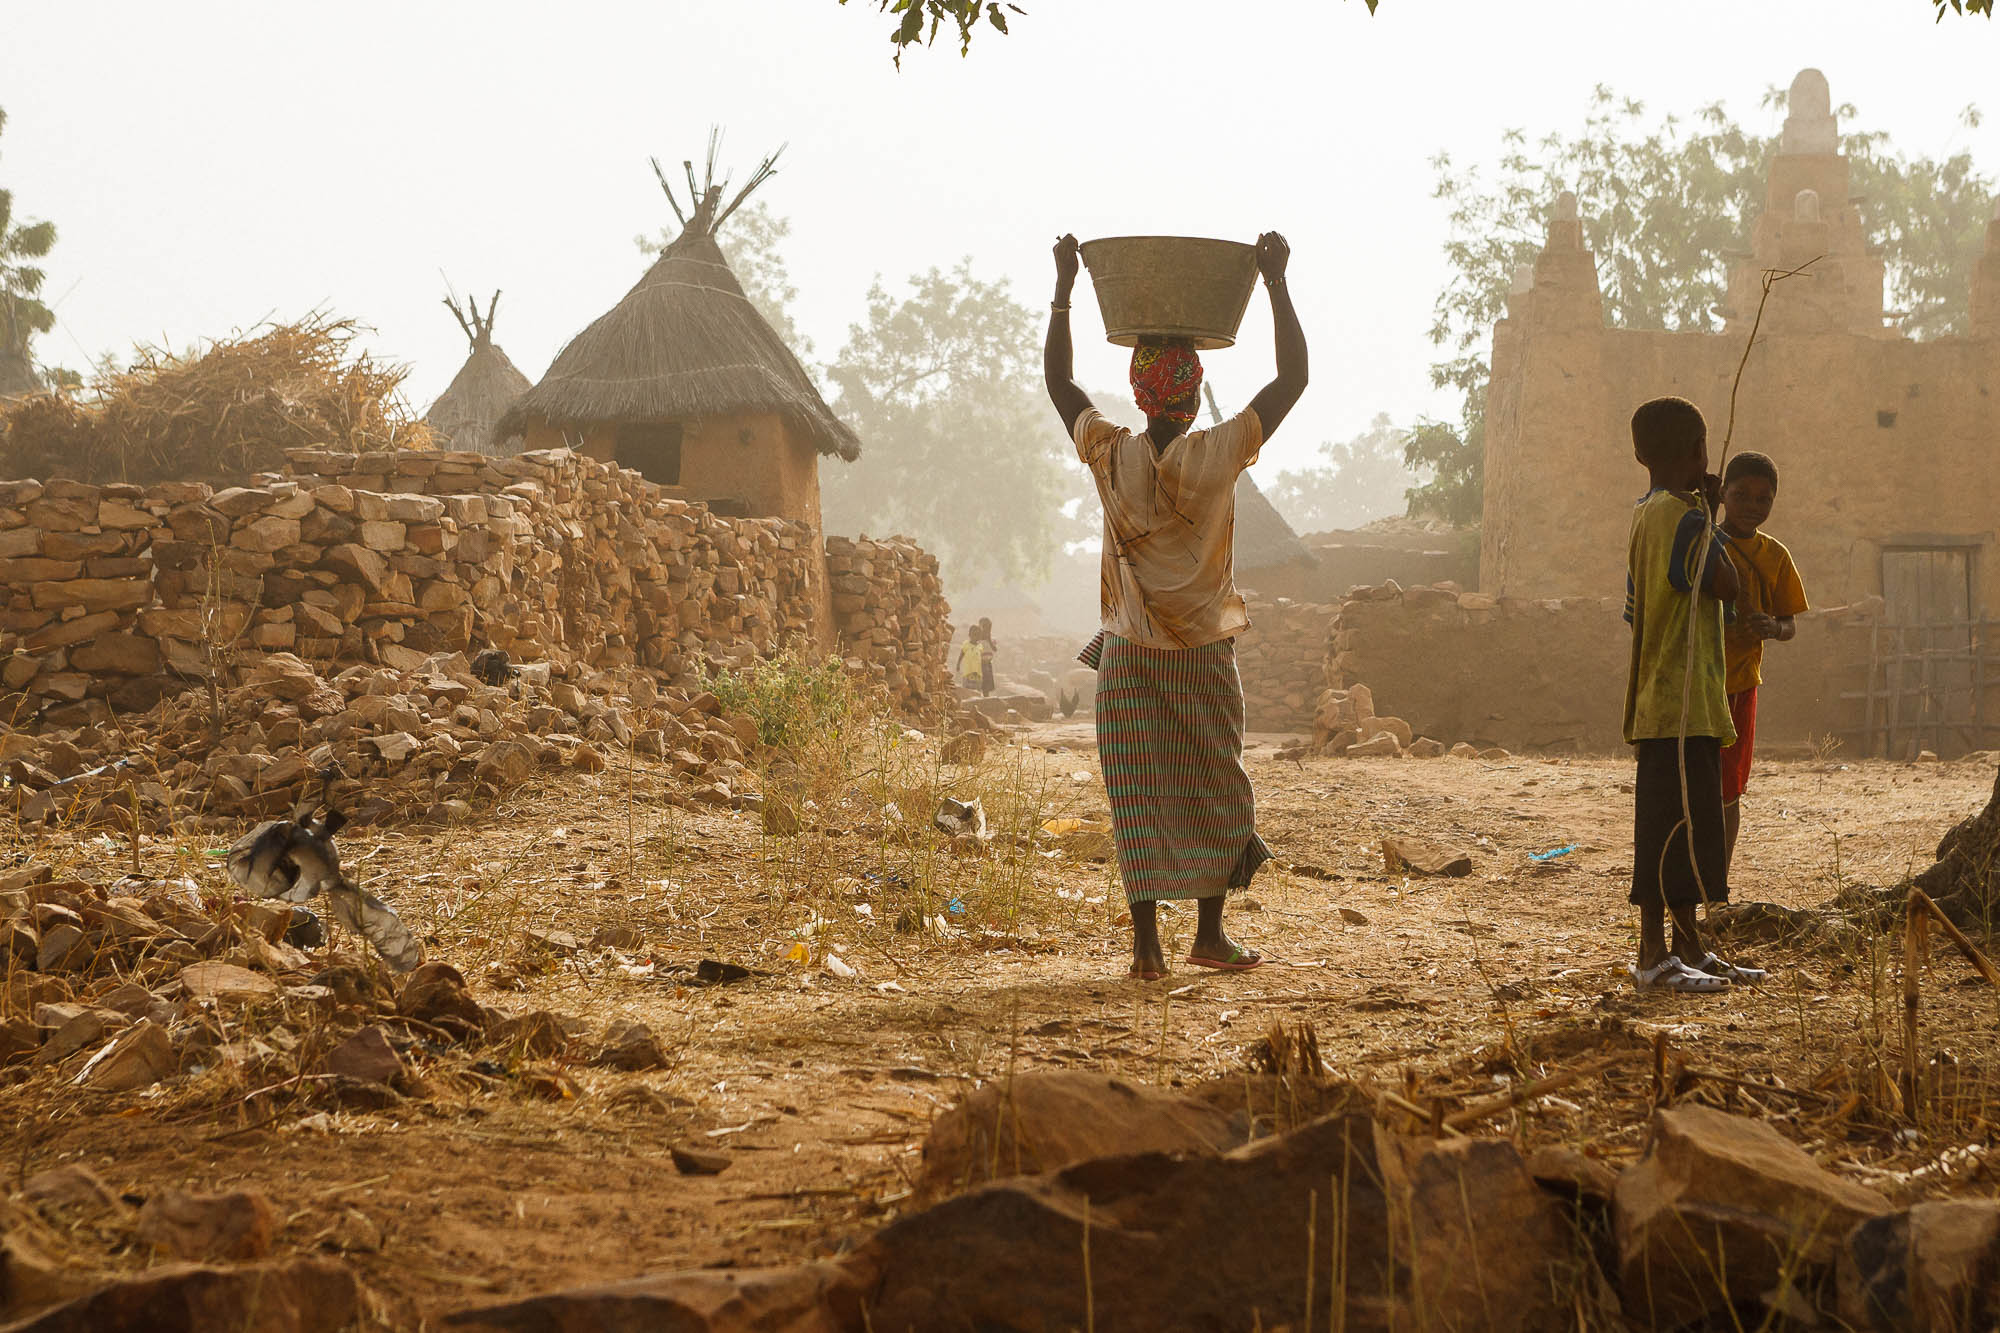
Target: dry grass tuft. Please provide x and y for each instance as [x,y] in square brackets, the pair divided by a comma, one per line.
[216,413]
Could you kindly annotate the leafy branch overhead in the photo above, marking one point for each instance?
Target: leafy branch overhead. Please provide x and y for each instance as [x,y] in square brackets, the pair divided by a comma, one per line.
[918,22]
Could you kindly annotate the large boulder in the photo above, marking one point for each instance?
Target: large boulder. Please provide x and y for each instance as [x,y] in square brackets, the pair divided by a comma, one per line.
[1723,1211]
[1426,1236]
[1050,1119]
[1932,1269]
[302,1296]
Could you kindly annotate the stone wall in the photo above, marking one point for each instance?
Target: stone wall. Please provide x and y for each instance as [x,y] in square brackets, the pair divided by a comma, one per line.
[117,595]
[889,608]
[1548,675]
[1282,662]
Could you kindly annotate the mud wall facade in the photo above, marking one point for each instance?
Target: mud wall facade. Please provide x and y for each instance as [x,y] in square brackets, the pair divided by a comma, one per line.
[1548,675]
[1883,444]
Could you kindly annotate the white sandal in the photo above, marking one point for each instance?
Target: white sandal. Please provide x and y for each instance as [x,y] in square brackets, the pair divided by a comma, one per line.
[1673,975]
[1742,976]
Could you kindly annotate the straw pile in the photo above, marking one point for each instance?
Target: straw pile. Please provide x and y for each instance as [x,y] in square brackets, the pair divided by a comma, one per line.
[226,410]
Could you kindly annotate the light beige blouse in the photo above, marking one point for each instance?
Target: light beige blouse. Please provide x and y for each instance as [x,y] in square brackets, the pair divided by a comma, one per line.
[1169,576]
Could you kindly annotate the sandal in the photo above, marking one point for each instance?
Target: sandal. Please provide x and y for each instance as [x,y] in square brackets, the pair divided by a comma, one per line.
[1240,960]
[1136,974]
[1735,973]
[1672,974]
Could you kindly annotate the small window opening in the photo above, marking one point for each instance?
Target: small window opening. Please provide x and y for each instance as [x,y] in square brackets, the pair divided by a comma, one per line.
[1885,419]
[652,449]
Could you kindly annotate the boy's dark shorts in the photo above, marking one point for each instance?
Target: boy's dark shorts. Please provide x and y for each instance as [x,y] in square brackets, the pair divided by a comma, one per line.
[1660,869]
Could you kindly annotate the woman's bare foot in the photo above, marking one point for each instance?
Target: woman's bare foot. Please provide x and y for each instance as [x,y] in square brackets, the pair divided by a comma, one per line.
[1149,961]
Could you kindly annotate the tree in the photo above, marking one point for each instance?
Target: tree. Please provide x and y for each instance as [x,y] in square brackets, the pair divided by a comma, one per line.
[959,449]
[22,313]
[1362,479]
[1663,202]
[752,244]
[918,22]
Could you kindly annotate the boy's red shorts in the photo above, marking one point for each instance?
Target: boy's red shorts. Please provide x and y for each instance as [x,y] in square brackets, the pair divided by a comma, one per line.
[1736,758]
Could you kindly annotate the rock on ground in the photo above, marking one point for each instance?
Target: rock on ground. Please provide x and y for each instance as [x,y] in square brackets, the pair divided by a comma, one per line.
[1049,1119]
[303,1296]
[812,1298]
[1932,1269]
[1722,1210]
[1450,1236]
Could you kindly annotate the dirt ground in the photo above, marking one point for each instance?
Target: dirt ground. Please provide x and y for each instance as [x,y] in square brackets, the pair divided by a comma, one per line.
[913,972]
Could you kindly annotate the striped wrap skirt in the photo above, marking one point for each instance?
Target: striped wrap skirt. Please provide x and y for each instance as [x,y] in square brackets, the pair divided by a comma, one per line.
[1170,741]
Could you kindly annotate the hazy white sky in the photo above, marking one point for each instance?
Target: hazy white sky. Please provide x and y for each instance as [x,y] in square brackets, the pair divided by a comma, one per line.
[211,164]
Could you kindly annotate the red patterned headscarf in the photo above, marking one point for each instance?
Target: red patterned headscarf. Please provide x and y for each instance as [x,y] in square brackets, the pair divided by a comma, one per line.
[1166,381]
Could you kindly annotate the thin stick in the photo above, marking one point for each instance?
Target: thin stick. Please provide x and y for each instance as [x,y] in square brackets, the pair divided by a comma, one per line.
[1089,1295]
[1528,1092]
[1772,277]
[1312,1252]
[1980,962]
[1916,930]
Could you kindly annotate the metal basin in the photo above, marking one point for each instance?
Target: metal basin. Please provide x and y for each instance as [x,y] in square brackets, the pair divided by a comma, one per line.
[1153,287]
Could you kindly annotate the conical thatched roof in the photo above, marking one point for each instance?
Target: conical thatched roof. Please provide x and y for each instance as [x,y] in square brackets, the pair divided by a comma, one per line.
[685,342]
[471,406]
[1263,538]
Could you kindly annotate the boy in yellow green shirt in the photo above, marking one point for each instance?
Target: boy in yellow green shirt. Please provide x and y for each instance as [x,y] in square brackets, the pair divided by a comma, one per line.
[1679,580]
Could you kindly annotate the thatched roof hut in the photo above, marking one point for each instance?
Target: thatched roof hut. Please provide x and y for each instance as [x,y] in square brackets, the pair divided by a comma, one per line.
[684,380]
[467,412]
[1270,558]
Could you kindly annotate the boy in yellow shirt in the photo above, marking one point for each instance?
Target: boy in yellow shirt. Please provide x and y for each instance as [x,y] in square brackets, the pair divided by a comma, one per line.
[1677,582]
[1771,596]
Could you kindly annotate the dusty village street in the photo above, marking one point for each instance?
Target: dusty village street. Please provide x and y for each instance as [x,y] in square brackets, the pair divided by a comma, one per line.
[509,1170]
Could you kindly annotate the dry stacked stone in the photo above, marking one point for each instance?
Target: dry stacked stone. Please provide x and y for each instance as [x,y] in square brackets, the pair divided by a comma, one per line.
[118,596]
[894,623]
[1282,662]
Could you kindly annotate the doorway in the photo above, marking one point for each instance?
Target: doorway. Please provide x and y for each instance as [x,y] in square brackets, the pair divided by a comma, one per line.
[652,449]
[1936,663]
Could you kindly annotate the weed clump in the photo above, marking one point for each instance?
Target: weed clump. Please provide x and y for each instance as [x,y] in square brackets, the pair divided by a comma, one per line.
[796,698]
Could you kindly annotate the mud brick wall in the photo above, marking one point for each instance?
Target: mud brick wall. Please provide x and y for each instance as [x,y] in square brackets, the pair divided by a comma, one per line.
[1549,674]
[1282,660]
[115,596]
[890,612]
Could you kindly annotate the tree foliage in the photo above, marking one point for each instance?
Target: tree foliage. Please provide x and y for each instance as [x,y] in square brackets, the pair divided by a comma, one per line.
[918,22]
[959,448]
[1360,480]
[23,314]
[1664,200]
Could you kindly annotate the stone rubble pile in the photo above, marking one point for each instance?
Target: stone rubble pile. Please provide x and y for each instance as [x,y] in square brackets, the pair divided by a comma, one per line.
[122,987]
[1723,1224]
[425,741]
[1344,724]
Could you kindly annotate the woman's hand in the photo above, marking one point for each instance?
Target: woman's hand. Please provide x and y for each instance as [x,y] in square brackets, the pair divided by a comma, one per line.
[1066,262]
[1273,253]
